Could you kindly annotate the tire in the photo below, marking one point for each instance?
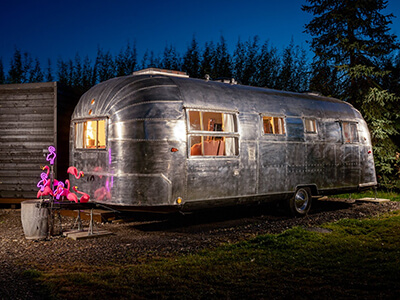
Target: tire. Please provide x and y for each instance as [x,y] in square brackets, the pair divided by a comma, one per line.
[299,205]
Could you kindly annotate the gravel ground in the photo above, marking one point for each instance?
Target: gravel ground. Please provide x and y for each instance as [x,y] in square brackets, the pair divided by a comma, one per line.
[141,237]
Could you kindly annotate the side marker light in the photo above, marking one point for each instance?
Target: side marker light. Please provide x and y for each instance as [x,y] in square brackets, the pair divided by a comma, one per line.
[174,150]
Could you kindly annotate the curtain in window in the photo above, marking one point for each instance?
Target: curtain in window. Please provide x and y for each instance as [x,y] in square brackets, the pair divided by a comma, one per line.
[79,135]
[229,126]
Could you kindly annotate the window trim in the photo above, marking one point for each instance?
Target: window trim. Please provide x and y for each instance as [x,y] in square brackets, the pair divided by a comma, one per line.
[315,125]
[273,116]
[351,140]
[83,121]
[203,134]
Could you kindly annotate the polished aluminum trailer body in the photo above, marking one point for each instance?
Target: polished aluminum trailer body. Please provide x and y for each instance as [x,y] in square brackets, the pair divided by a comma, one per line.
[152,151]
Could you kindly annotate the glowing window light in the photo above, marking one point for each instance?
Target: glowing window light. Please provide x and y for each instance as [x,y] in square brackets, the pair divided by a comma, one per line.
[91,134]
[101,134]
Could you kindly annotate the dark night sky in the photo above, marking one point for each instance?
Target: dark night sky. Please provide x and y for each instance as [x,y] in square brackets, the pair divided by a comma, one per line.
[60,29]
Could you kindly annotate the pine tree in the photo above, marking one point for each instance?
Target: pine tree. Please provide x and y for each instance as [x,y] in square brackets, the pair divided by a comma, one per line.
[71,73]
[268,66]
[207,62]
[126,60]
[252,56]
[239,62]
[62,72]
[285,79]
[391,82]
[293,73]
[77,72]
[16,72]
[381,111]
[191,60]
[36,74]
[170,60]
[354,37]
[27,66]
[324,78]
[145,60]
[104,65]
[302,70]
[222,60]
[87,74]
[150,60]
[132,59]
[154,61]
[2,76]
[49,74]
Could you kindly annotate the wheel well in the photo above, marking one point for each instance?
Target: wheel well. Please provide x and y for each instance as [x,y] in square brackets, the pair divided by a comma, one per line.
[313,188]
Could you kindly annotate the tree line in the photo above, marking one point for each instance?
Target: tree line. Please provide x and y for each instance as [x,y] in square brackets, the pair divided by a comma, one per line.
[251,63]
[355,58]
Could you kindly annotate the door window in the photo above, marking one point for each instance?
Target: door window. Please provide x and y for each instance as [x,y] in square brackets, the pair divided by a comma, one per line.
[212,133]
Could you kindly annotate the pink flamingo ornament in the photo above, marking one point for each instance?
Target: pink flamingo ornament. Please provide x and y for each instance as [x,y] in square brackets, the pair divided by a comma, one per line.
[46,175]
[72,197]
[47,170]
[85,197]
[74,171]
[64,192]
[60,190]
[46,190]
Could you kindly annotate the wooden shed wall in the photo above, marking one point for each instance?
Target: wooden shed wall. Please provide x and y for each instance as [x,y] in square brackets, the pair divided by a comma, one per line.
[28,125]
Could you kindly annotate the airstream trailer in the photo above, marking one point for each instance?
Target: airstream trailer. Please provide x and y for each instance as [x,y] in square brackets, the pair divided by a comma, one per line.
[160,141]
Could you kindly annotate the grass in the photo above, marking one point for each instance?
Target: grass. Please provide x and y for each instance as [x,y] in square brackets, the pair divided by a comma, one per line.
[371,194]
[358,259]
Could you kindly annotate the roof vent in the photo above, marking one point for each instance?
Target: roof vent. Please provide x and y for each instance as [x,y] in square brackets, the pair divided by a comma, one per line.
[155,71]
[313,93]
[226,80]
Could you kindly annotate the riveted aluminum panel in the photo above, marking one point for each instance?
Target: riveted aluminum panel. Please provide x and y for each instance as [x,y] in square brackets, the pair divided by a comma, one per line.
[147,162]
[144,122]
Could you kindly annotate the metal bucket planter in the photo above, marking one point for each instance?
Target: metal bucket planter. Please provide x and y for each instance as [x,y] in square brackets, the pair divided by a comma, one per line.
[34,219]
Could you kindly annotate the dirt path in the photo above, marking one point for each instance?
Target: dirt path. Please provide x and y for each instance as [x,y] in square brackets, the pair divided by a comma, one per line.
[134,241]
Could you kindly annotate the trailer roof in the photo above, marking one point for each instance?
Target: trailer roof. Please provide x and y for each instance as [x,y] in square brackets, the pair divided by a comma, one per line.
[109,97]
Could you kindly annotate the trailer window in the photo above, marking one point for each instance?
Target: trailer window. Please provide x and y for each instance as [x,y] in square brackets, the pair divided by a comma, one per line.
[212,133]
[310,125]
[350,132]
[332,132]
[90,134]
[273,125]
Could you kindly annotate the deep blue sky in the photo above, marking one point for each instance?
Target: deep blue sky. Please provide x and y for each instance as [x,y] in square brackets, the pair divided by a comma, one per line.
[59,29]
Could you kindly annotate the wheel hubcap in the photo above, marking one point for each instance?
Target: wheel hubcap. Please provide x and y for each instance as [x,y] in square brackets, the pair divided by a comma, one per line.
[301,200]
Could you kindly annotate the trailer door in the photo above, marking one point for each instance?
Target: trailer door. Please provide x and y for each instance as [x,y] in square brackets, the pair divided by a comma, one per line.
[213,162]
[350,152]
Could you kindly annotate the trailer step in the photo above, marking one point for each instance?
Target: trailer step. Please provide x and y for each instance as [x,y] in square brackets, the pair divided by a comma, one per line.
[99,215]
[85,234]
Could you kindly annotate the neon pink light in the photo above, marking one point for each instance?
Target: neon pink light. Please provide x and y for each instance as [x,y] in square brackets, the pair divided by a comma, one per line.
[52,155]
[42,183]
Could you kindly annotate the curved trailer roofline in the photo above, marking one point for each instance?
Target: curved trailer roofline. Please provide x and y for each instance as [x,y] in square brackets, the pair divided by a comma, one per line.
[106,98]
[148,120]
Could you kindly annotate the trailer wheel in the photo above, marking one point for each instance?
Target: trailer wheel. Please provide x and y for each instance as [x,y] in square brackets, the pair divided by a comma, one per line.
[300,203]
